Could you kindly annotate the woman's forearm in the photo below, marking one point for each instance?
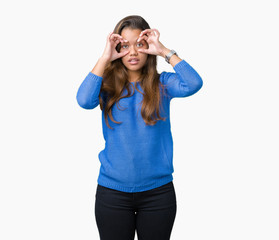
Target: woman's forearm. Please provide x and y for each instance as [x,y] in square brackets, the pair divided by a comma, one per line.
[174,58]
[100,67]
[88,92]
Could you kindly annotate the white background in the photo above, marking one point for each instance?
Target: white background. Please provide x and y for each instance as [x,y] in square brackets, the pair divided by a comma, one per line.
[225,136]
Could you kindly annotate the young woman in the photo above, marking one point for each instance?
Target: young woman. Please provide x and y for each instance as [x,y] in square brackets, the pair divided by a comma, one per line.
[135,190]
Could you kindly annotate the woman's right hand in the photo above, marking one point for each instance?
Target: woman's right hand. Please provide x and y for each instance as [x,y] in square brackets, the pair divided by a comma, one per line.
[110,53]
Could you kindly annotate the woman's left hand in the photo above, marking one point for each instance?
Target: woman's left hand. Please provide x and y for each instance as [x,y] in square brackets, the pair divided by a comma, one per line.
[151,36]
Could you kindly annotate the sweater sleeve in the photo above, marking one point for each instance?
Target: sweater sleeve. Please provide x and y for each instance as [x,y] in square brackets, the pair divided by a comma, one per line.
[89,90]
[184,82]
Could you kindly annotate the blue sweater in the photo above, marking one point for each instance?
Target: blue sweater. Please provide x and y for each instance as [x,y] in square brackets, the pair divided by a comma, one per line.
[138,157]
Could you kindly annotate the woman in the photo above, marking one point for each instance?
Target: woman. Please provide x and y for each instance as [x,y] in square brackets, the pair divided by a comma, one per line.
[135,190]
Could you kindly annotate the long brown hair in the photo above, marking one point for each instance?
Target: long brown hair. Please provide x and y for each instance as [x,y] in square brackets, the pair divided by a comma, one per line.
[115,80]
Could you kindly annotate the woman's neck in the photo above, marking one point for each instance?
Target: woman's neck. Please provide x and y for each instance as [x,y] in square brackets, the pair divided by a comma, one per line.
[134,76]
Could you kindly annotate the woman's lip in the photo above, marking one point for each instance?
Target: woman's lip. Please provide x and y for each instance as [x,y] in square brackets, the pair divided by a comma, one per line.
[135,59]
[133,62]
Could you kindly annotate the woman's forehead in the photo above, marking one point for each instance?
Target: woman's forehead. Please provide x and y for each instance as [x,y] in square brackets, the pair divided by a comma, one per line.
[131,34]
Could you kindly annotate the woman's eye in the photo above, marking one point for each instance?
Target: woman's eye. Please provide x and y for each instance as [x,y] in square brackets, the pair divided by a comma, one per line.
[127,46]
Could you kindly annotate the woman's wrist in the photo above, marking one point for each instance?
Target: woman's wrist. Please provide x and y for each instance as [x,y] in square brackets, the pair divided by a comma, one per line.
[104,59]
[164,52]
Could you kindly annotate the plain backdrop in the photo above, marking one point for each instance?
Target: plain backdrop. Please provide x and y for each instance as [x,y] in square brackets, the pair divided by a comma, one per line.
[225,136]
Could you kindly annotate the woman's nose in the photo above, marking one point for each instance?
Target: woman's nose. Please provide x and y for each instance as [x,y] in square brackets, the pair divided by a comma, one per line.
[133,49]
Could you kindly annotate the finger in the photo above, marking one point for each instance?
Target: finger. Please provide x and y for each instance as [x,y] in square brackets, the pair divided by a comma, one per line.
[143,37]
[152,31]
[143,50]
[116,36]
[113,38]
[157,32]
[122,40]
[145,32]
[109,35]
[117,41]
[123,53]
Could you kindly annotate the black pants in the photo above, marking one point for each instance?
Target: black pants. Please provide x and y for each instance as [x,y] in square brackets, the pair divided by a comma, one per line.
[151,213]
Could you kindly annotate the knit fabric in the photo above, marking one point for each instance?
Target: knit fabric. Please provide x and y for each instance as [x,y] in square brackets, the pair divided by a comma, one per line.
[138,157]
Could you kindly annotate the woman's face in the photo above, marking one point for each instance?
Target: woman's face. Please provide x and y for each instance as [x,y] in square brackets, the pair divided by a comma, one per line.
[132,36]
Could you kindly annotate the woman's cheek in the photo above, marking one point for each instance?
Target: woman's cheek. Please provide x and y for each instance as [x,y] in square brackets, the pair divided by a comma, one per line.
[125,61]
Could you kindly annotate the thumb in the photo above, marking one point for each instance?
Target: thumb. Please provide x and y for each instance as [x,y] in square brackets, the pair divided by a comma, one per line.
[123,53]
[143,51]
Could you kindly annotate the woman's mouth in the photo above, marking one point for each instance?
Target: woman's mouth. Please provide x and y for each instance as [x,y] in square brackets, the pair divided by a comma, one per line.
[133,61]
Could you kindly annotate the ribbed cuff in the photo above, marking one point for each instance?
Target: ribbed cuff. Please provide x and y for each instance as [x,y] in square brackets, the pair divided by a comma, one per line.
[94,77]
[181,65]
